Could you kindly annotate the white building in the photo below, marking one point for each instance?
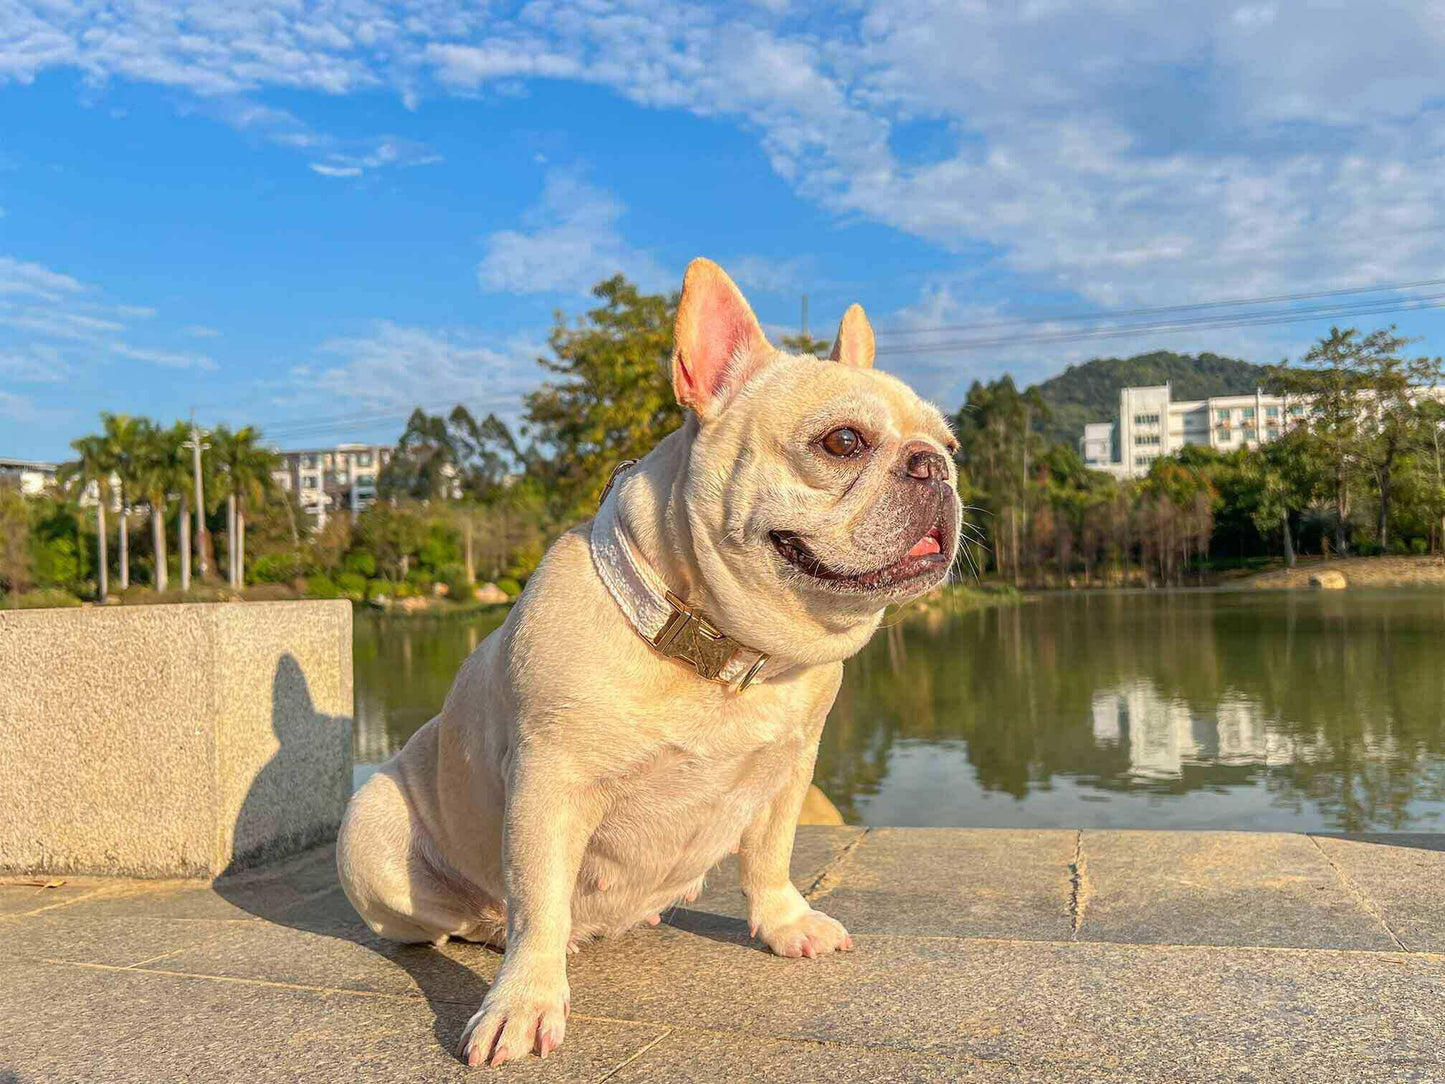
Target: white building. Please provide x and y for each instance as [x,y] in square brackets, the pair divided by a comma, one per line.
[29,476]
[1151,424]
[331,480]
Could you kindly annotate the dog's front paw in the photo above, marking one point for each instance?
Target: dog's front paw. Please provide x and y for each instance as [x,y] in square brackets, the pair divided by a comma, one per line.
[521,1013]
[813,934]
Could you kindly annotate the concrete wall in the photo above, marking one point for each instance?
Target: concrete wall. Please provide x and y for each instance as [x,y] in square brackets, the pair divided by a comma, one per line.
[172,740]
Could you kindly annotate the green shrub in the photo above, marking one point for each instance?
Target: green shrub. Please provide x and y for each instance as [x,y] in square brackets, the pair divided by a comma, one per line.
[321,586]
[459,588]
[352,585]
[1419,547]
[439,550]
[510,586]
[269,592]
[55,562]
[362,562]
[378,589]
[278,568]
[45,599]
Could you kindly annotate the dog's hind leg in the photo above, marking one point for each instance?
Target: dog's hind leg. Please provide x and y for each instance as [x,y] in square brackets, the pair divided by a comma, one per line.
[397,883]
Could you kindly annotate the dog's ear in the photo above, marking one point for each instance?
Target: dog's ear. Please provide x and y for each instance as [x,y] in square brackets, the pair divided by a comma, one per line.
[717,343]
[854,345]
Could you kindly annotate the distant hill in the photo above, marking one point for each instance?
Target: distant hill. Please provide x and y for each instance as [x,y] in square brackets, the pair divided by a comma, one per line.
[1090,392]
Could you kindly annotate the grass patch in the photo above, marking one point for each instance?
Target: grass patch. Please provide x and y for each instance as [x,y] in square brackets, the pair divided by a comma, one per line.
[48,598]
[442,610]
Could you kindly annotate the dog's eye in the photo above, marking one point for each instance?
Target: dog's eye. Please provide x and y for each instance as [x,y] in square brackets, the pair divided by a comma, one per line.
[843,442]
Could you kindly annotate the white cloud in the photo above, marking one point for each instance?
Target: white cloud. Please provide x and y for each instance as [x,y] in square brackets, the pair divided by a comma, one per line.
[16,408]
[34,363]
[336,171]
[167,359]
[395,367]
[32,280]
[330,156]
[764,275]
[53,327]
[1122,150]
[573,243]
[200,331]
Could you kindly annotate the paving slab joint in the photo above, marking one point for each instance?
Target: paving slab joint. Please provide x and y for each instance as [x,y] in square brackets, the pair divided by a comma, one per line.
[1078,886]
[1360,898]
[831,875]
[625,1062]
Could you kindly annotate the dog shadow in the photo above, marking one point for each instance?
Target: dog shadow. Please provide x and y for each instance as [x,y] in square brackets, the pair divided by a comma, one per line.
[303,892]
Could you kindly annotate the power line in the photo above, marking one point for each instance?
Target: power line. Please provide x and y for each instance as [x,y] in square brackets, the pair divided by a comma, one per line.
[319,426]
[1378,307]
[1276,299]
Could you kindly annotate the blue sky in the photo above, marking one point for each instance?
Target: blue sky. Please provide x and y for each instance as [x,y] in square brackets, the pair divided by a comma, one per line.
[312,216]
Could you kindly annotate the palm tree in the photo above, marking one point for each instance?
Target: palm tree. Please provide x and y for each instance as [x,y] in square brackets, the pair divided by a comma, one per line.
[246,468]
[162,469]
[93,466]
[122,434]
[181,478]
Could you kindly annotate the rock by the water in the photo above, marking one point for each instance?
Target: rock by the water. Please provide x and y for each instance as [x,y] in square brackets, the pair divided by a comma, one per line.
[1328,581]
[490,592]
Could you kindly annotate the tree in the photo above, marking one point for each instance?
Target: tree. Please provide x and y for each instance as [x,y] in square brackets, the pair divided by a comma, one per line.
[16,573]
[1430,439]
[1361,403]
[489,454]
[1178,503]
[93,466]
[806,344]
[163,468]
[122,436]
[998,440]
[1329,392]
[609,397]
[456,455]
[180,472]
[393,534]
[1287,477]
[1395,416]
[424,464]
[246,469]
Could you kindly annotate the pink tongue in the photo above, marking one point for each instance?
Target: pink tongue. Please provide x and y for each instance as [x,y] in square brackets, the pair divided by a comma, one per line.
[925,545]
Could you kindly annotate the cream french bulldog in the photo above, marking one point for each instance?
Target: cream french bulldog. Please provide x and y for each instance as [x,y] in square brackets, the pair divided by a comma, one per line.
[654,700]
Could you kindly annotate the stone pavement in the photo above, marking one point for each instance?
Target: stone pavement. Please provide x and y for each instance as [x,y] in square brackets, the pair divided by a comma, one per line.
[981,955]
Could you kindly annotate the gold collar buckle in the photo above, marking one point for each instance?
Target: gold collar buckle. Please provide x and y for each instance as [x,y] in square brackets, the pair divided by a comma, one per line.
[690,637]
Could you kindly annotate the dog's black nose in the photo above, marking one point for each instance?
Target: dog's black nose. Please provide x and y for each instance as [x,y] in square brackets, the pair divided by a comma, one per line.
[927,465]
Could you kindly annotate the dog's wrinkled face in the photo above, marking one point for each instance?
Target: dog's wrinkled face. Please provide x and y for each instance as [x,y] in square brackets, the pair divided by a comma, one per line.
[819,491]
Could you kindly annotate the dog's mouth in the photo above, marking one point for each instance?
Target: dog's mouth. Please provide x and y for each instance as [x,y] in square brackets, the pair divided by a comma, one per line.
[928,556]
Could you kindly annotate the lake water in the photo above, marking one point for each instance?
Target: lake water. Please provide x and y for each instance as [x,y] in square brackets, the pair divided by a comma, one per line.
[1289,710]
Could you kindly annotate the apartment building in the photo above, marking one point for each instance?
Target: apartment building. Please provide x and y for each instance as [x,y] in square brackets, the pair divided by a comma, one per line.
[1151,424]
[29,476]
[328,481]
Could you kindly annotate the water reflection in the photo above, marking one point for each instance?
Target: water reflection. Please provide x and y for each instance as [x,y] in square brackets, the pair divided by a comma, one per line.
[1158,709]
[404,667]
[1194,709]
[1162,733]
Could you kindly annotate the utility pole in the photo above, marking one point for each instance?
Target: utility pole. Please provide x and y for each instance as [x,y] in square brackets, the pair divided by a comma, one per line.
[196,446]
